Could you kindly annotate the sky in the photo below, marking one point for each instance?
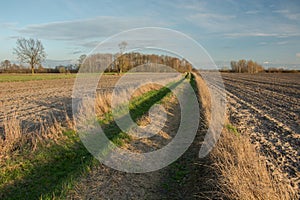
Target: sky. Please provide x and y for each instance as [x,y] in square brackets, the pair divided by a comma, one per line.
[265,31]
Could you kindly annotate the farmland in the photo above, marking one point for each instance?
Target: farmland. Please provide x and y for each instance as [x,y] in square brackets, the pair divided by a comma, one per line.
[267,108]
[36,98]
[264,107]
[31,104]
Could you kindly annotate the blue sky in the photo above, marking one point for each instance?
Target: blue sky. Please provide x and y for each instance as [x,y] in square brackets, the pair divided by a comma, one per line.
[265,31]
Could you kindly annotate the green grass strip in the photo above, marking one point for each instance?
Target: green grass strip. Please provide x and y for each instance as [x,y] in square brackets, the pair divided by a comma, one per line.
[34,77]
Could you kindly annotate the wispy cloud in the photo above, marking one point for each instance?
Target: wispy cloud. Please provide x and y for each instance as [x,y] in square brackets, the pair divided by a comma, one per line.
[192,5]
[238,24]
[288,14]
[263,43]
[211,21]
[298,55]
[282,42]
[211,16]
[77,52]
[9,25]
[251,12]
[248,34]
[88,44]
[102,26]
[263,34]
[275,43]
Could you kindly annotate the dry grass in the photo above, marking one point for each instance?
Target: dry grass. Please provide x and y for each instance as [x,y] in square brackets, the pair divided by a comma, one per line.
[13,136]
[243,172]
[205,97]
[17,137]
[240,170]
[103,100]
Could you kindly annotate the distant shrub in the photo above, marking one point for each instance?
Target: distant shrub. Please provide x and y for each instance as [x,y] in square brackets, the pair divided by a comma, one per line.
[62,70]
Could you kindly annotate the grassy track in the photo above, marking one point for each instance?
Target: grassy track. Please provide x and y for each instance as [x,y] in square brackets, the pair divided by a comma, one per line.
[51,171]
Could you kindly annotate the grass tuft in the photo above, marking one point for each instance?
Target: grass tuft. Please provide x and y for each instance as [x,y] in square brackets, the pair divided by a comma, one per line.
[232,129]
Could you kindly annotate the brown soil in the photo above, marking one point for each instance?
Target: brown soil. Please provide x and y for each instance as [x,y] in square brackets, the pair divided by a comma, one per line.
[33,101]
[267,108]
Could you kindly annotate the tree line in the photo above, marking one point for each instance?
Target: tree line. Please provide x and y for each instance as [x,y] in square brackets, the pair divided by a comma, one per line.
[243,66]
[7,66]
[32,53]
[120,63]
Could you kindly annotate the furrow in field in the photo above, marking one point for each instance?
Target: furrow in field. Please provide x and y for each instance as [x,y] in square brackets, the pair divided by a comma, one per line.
[269,113]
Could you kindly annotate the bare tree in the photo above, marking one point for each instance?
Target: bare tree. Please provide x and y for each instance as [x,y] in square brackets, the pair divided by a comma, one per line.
[234,66]
[122,47]
[6,64]
[30,51]
[81,60]
[243,66]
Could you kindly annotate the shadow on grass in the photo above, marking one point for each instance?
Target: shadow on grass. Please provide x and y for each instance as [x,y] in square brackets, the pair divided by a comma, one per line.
[50,172]
[141,107]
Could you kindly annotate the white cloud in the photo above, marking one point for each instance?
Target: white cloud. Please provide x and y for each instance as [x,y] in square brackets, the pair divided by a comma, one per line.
[102,26]
[211,16]
[251,12]
[236,25]
[88,44]
[281,11]
[263,43]
[263,34]
[282,42]
[212,21]
[298,55]
[288,14]
[9,25]
[191,6]
[248,34]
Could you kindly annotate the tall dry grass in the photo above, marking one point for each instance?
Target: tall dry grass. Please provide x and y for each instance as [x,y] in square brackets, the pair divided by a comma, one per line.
[103,100]
[17,137]
[243,172]
[240,170]
[13,136]
[204,95]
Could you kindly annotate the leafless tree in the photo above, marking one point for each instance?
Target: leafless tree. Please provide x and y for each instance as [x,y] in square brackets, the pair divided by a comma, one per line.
[6,64]
[243,66]
[122,47]
[81,60]
[30,51]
